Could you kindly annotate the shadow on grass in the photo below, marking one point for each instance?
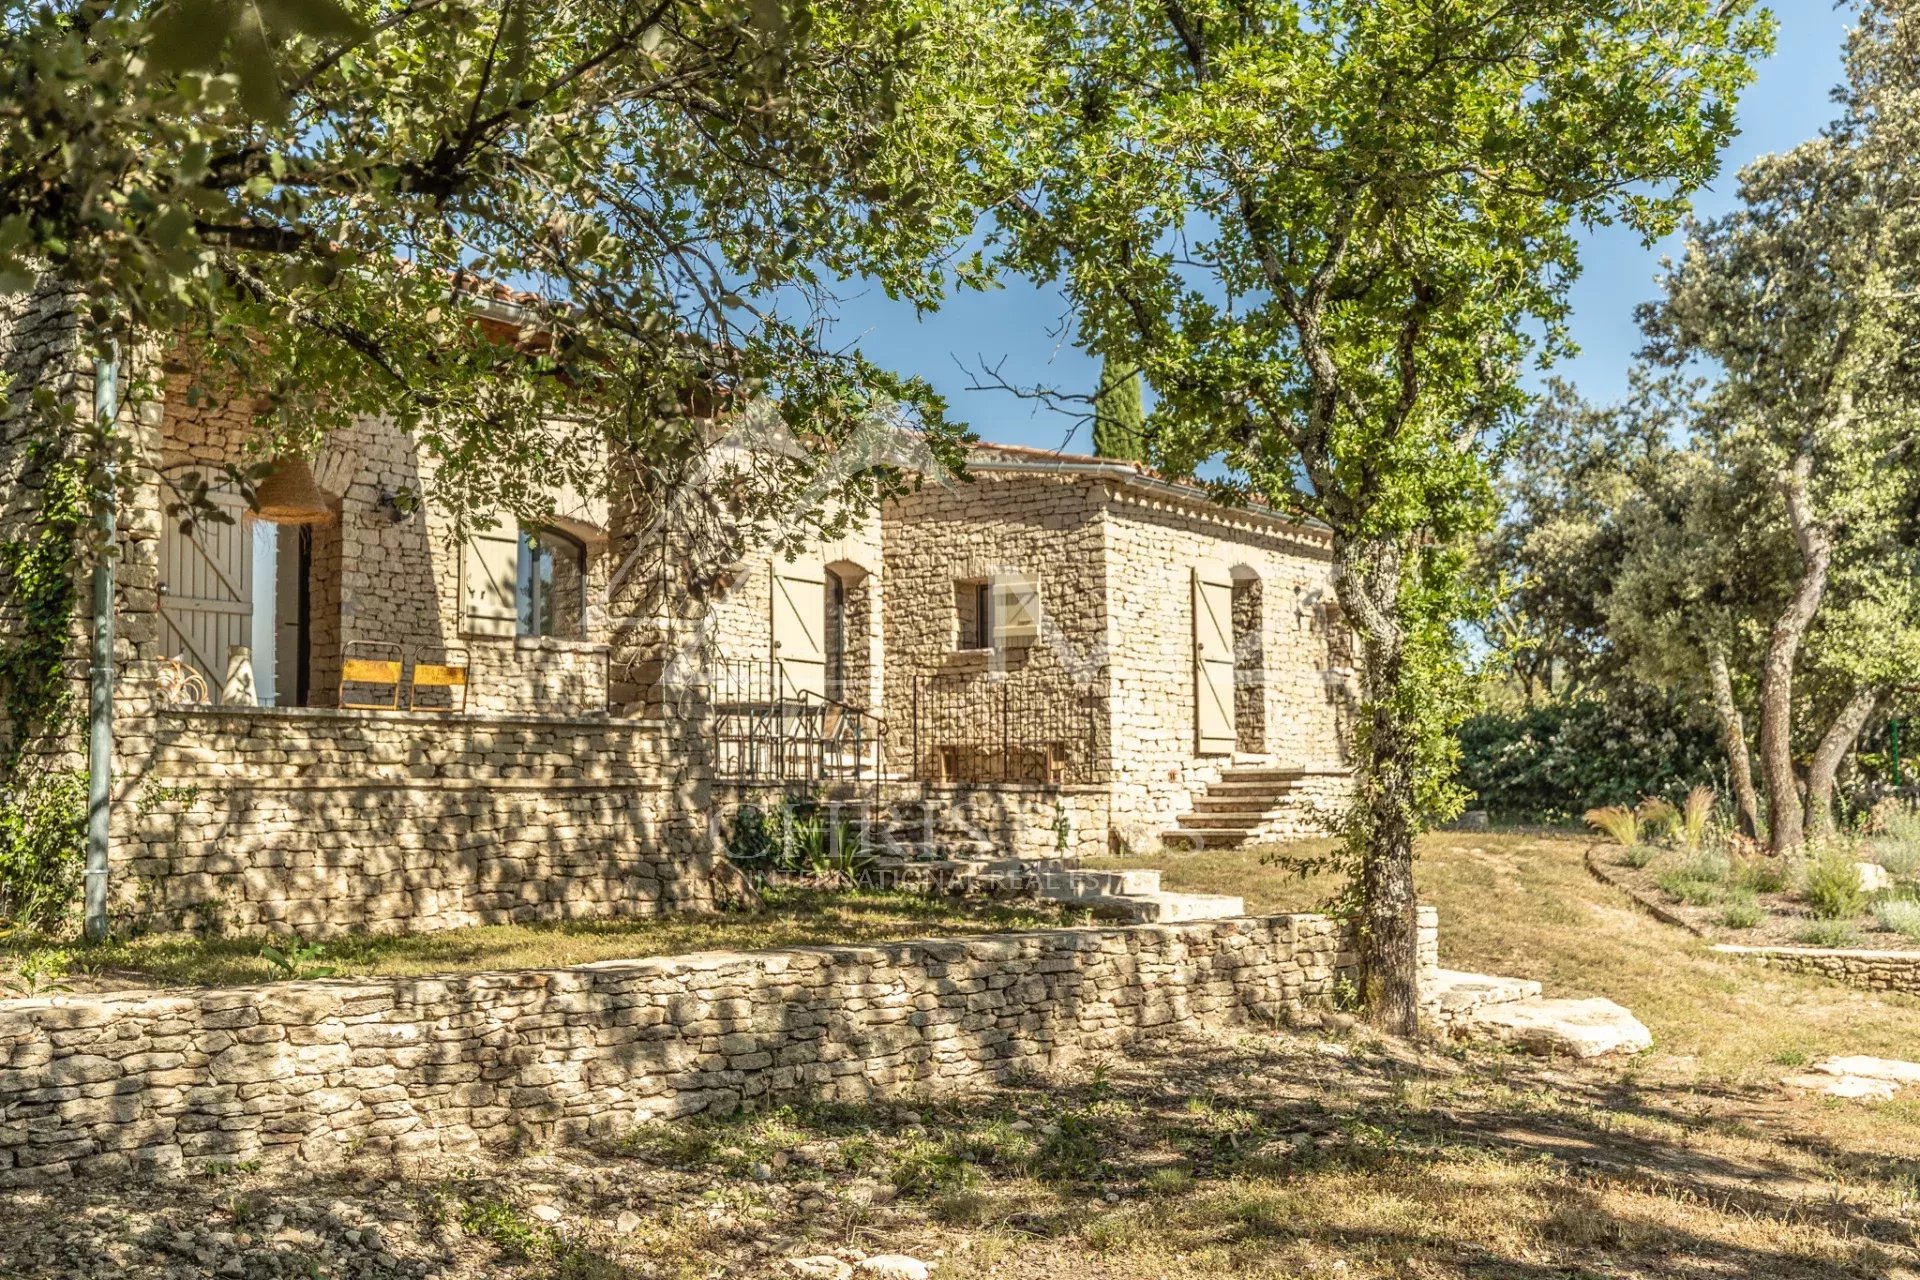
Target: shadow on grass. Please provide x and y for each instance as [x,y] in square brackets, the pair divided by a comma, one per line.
[793,916]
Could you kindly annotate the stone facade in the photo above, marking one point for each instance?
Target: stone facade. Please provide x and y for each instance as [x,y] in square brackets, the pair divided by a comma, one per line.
[1108,687]
[308,1070]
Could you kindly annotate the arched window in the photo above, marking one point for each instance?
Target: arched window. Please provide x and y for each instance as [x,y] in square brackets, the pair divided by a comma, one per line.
[551,585]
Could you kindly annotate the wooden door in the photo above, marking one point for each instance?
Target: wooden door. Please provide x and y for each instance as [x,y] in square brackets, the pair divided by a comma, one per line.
[206,589]
[799,628]
[1213,660]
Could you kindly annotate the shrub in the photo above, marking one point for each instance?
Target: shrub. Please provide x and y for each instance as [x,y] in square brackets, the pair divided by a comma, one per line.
[1898,915]
[43,846]
[1549,763]
[1617,822]
[1741,915]
[1900,857]
[1640,855]
[1715,868]
[1691,890]
[1758,873]
[1828,933]
[1830,885]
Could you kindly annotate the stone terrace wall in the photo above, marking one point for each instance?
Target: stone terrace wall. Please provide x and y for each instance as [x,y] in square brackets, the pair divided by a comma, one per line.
[304,1070]
[323,822]
[1874,970]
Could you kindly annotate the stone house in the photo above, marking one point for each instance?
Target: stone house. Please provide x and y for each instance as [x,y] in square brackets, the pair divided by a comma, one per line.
[432,739]
[1057,656]
[1073,654]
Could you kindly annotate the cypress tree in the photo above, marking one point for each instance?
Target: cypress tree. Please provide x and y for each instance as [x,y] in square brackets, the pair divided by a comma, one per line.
[1119,414]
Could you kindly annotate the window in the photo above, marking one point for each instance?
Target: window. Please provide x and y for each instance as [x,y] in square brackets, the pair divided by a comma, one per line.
[550,587]
[973,613]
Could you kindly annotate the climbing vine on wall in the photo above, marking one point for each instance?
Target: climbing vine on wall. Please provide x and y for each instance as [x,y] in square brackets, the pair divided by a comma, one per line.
[42,813]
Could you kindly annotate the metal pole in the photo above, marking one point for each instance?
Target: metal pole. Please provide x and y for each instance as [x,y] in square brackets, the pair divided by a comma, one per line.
[106,410]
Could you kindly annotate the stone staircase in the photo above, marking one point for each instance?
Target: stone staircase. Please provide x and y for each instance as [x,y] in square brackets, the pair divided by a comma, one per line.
[1475,1006]
[932,850]
[1249,802]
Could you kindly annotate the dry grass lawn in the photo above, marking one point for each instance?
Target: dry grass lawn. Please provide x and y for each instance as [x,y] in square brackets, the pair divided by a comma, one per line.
[792,917]
[1265,1154]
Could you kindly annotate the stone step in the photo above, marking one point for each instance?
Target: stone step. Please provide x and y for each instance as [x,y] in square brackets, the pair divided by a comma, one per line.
[1206,837]
[1172,908]
[1237,773]
[1164,908]
[1255,786]
[1245,819]
[1451,996]
[1065,886]
[1577,1028]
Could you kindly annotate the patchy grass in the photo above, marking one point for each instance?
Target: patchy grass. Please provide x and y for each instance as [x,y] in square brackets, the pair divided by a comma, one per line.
[31,963]
[1263,1155]
[1526,906]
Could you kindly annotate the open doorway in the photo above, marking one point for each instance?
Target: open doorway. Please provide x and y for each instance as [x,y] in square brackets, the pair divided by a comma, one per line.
[1249,662]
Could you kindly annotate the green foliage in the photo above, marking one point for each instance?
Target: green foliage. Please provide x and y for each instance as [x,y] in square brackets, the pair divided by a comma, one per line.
[314,205]
[1828,933]
[297,959]
[800,838]
[43,828]
[1549,762]
[1744,914]
[1759,875]
[1898,915]
[1692,890]
[1119,414]
[39,589]
[1658,817]
[1830,885]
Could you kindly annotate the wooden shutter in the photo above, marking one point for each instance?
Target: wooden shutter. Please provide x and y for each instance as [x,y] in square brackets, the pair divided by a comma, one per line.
[799,627]
[1213,659]
[206,602]
[1015,611]
[490,578]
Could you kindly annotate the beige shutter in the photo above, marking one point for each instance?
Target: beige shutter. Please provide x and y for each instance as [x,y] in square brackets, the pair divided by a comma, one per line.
[1213,659]
[1016,609]
[490,580]
[206,579]
[799,626]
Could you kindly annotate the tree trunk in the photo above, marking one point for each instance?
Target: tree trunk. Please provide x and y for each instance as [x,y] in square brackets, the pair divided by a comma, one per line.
[1367,581]
[1733,739]
[1833,748]
[1784,812]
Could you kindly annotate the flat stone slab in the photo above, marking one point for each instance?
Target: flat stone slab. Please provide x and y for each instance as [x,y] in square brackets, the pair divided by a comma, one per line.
[1450,995]
[1859,1088]
[1578,1028]
[1893,1069]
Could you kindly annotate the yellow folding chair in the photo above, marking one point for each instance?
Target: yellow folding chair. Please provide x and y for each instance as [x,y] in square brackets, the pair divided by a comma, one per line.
[367,668]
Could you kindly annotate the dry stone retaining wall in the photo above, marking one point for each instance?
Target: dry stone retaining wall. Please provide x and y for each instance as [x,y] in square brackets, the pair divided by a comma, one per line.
[1874,970]
[322,822]
[304,1070]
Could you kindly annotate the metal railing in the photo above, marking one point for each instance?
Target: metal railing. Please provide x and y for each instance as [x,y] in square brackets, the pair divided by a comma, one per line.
[1000,728]
[768,733]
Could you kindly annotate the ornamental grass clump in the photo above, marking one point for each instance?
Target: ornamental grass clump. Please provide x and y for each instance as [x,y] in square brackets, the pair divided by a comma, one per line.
[1830,886]
[1695,813]
[1658,818]
[1617,822]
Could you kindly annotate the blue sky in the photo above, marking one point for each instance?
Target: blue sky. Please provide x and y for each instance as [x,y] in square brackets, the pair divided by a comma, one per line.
[1022,330]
